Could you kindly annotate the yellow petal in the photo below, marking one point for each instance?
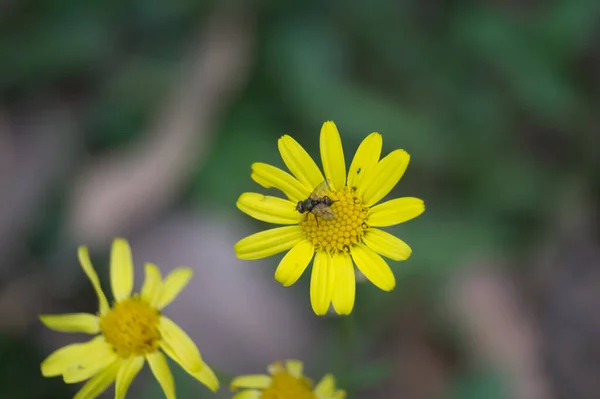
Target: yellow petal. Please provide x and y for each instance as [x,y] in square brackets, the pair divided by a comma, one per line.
[345,284]
[269,242]
[332,155]
[129,369]
[381,178]
[387,244]
[88,366]
[366,156]
[398,210]
[75,375]
[250,394]
[259,381]
[205,375]
[121,269]
[152,288]
[86,264]
[294,263]
[326,386]
[275,367]
[162,372]
[373,267]
[94,387]
[174,283]
[294,367]
[74,322]
[299,163]
[268,209]
[181,344]
[67,356]
[321,283]
[272,177]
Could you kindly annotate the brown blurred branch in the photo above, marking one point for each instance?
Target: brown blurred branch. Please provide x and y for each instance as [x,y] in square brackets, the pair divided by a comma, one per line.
[500,328]
[122,190]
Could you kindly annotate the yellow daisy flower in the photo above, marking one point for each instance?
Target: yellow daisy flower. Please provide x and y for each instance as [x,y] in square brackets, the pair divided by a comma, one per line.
[350,237]
[285,382]
[130,332]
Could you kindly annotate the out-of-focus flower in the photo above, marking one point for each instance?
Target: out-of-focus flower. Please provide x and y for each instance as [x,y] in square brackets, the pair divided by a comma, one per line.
[130,332]
[285,381]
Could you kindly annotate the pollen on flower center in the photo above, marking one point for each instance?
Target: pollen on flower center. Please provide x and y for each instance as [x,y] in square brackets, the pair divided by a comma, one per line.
[339,233]
[285,385]
[131,327]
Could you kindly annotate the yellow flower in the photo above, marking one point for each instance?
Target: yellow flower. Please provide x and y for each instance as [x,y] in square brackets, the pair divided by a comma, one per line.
[130,332]
[339,243]
[285,382]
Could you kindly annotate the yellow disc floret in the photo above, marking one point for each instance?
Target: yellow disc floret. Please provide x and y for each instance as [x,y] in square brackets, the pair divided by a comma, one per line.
[284,385]
[131,327]
[345,229]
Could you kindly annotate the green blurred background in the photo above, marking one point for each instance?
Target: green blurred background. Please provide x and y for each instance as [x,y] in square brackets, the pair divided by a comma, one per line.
[141,119]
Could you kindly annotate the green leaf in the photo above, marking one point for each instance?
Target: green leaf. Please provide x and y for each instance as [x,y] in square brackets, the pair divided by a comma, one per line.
[478,385]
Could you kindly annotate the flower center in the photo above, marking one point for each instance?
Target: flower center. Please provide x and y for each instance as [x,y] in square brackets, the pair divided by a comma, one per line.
[131,327]
[344,230]
[286,386]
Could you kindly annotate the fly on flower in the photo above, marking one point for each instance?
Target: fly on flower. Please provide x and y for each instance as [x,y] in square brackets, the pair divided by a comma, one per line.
[318,203]
[353,237]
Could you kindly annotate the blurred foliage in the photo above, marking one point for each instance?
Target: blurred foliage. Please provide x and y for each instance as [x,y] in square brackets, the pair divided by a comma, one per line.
[496,103]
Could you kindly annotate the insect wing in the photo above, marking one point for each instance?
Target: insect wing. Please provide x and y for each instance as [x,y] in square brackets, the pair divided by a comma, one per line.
[321,190]
[323,211]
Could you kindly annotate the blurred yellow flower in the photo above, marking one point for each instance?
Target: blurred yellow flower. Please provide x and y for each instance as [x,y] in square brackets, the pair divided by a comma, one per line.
[349,236]
[130,333]
[285,382]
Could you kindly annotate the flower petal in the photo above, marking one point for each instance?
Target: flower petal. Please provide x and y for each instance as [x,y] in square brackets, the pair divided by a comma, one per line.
[94,387]
[326,386]
[86,265]
[129,369]
[373,267]
[270,176]
[249,394]
[174,283]
[387,244]
[268,209]
[64,358]
[294,367]
[121,269]
[299,162]
[181,344]
[332,155]
[205,375]
[275,367]
[152,288]
[366,156]
[321,283]
[259,381]
[269,242]
[381,178]
[160,369]
[91,364]
[74,322]
[294,263]
[345,284]
[398,210]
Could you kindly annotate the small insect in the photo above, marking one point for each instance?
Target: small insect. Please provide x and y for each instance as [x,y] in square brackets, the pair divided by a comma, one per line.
[318,203]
